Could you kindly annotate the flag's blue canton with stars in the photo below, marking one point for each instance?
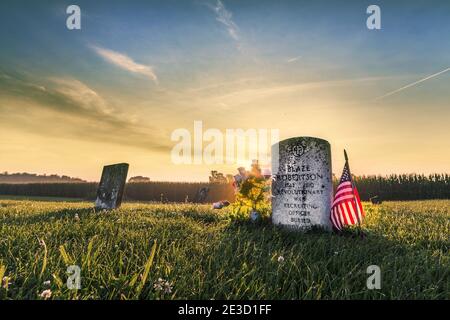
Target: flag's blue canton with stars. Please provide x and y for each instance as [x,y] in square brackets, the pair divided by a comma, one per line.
[345,174]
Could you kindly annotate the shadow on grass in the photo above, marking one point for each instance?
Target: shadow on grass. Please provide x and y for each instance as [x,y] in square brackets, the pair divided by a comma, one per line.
[324,265]
[241,258]
[202,216]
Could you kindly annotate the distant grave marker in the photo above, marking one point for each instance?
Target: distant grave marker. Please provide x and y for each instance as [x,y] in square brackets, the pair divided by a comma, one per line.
[302,187]
[111,187]
[376,200]
[202,194]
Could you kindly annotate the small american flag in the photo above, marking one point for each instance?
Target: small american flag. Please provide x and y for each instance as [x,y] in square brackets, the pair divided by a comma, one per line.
[347,208]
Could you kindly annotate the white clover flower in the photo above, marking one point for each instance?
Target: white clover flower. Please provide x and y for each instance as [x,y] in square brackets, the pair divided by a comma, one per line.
[5,282]
[167,287]
[336,253]
[46,294]
[42,243]
[280,259]
[163,285]
[47,283]
[158,285]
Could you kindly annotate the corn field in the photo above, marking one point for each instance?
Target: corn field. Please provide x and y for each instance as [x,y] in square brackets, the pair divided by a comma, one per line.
[392,187]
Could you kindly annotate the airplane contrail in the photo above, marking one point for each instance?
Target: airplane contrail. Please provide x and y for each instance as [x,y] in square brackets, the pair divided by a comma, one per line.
[412,84]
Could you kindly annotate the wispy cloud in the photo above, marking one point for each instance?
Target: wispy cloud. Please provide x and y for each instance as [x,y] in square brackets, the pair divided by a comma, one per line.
[264,92]
[293,59]
[224,16]
[125,62]
[81,94]
[214,85]
[63,94]
[67,107]
[412,84]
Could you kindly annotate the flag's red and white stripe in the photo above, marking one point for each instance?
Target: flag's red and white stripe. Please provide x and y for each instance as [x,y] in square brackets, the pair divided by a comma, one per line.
[347,208]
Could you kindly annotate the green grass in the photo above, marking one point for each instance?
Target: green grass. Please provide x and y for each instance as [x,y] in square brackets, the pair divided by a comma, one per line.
[207,255]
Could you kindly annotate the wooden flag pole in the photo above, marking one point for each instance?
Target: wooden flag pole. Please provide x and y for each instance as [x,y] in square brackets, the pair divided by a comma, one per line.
[354,197]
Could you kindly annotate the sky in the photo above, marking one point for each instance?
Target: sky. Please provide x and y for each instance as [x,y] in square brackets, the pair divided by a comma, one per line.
[72,101]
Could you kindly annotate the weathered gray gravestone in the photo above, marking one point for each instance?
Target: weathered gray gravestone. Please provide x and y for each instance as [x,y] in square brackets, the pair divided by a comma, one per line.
[302,187]
[111,187]
[202,194]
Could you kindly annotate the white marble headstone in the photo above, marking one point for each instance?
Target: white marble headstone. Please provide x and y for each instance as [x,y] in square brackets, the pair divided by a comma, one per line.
[302,188]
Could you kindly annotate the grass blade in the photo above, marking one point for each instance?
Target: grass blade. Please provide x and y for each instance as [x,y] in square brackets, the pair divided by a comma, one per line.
[2,272]
[44,262]
[66,258]
[147,268]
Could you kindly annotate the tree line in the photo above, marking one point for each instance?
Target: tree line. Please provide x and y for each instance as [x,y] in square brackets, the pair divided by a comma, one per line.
[24,177]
